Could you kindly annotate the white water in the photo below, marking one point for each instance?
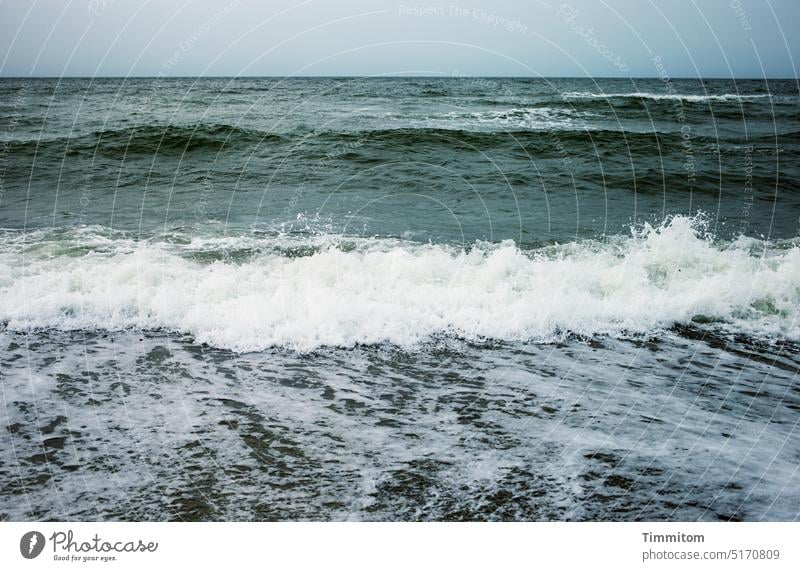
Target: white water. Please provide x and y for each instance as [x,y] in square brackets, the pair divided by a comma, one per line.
[667,96]
[402,293]
[510,119]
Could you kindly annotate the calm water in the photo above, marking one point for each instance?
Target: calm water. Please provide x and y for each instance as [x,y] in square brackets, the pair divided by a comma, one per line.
[399,299]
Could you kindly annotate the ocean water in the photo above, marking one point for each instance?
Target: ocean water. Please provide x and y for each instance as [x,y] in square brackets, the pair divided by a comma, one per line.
[399,299]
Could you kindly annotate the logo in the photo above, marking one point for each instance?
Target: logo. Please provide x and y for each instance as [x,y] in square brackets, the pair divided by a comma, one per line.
[31,544]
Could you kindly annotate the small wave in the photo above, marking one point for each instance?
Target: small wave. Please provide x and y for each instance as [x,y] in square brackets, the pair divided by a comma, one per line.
[387,291]
[694,98]
[538,129]
[508,119]
[578,139]
[150,139]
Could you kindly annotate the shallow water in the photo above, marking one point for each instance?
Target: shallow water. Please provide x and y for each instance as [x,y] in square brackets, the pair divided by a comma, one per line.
[155,427]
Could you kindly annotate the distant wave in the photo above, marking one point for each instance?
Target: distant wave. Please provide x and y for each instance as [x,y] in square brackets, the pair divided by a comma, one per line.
[510,119]
[388,291]
[539,129]
[667,96]
[509,130]
[149,139]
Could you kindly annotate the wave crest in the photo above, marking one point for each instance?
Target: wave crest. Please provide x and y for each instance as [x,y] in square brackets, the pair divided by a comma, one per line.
[381,291]
[688,97]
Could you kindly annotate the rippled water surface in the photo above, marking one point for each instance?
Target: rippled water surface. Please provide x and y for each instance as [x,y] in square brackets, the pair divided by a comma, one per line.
[399,299]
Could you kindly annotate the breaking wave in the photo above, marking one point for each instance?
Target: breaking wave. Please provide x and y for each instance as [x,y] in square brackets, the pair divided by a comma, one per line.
[694,98]
[310,292]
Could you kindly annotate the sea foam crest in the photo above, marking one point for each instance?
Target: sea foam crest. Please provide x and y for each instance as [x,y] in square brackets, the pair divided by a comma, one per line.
[696,98]
[403,293]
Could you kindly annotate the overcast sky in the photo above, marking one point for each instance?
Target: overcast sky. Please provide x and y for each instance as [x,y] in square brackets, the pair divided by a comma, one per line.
[628,38]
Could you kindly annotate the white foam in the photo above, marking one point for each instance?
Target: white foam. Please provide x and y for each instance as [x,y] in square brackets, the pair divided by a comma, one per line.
[508,119]
[402,293]
[666,96]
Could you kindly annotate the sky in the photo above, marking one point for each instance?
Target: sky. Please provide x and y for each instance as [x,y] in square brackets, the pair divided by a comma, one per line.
[599,38]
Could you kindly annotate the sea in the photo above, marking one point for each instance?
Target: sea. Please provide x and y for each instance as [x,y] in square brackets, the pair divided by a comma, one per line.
[399,299]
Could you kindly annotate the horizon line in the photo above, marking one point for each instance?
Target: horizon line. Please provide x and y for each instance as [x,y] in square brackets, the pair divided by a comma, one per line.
[332,76]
